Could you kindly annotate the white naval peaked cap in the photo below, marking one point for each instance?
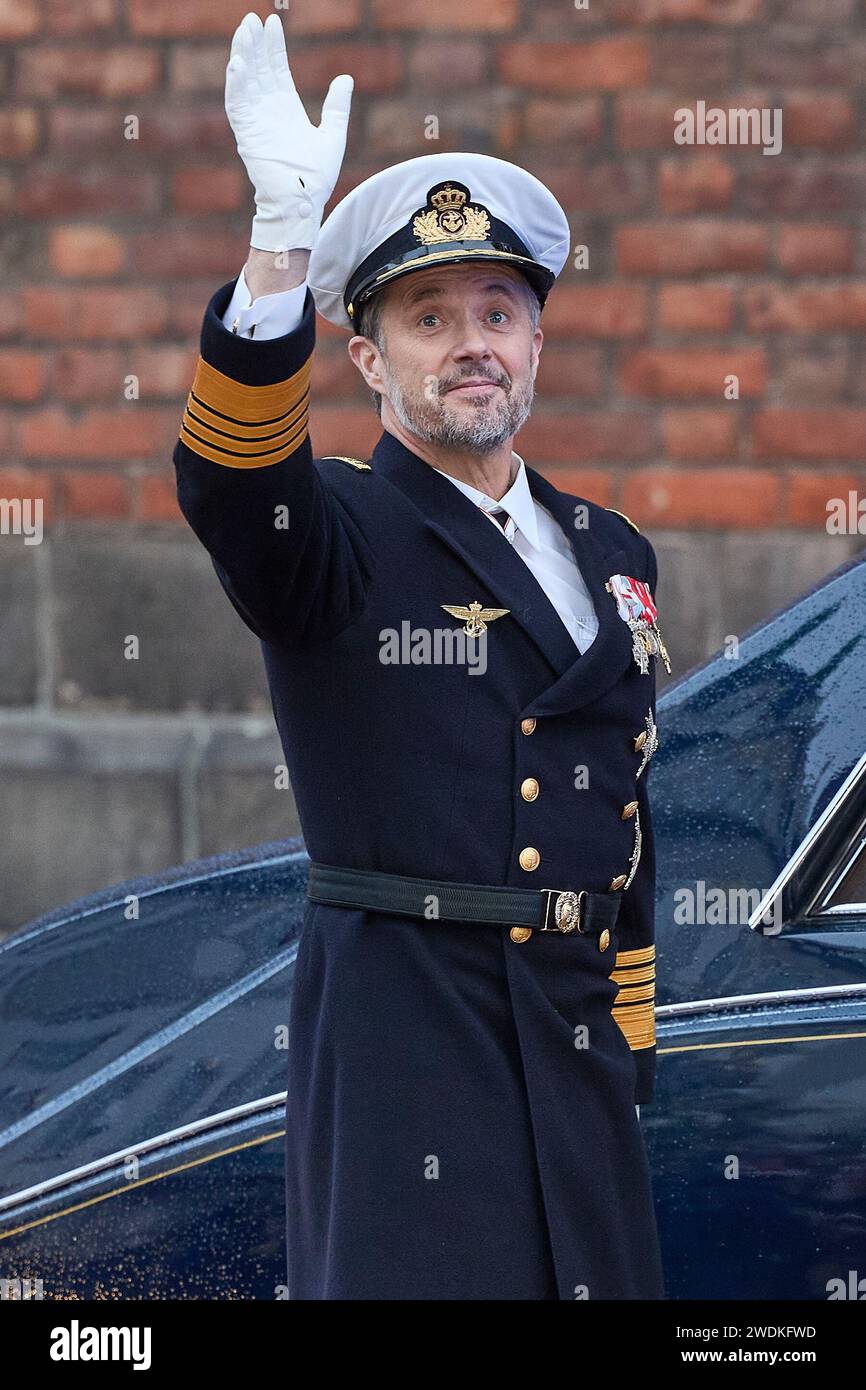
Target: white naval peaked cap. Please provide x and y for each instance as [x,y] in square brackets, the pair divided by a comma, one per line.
[433,210]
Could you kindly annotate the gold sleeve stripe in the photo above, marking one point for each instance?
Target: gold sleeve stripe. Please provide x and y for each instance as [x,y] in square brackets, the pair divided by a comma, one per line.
[638,1025]
[643,953]
[634,1008]
[636,973]
[246,426]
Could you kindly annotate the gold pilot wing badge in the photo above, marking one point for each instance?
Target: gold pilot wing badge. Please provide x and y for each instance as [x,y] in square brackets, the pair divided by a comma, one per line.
[635,606]
[475,617]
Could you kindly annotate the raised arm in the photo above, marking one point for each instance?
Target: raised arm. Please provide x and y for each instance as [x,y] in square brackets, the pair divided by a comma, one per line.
[286,553]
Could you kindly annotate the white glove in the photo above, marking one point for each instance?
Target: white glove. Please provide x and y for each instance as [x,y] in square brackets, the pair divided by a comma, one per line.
[292,164]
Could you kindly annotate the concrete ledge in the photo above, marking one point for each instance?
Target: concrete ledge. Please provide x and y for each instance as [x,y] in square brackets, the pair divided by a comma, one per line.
[88,801]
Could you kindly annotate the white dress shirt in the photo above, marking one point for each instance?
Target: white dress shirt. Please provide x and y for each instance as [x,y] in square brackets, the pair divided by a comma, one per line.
[534,533]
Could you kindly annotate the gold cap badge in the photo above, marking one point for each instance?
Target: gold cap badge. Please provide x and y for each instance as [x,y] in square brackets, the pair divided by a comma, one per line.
[449,216]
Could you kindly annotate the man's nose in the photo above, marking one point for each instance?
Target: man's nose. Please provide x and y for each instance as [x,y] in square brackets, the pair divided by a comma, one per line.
[471,338]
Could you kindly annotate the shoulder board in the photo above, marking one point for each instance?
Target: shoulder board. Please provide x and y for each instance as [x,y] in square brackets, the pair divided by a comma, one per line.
[344,458]
[625,518]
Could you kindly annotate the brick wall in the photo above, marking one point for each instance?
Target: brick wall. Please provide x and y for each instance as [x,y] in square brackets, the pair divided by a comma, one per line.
[703,262]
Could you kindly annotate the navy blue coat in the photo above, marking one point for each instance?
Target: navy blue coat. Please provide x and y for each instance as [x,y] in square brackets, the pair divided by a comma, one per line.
[460,1116]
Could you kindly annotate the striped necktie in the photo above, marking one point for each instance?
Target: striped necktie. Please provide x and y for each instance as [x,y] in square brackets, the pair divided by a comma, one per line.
[501,517]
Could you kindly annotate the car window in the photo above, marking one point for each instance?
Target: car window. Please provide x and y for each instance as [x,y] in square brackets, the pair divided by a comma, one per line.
[845,889]
[825,878]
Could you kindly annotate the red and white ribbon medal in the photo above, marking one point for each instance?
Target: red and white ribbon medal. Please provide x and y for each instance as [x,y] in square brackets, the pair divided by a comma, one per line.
[635,606]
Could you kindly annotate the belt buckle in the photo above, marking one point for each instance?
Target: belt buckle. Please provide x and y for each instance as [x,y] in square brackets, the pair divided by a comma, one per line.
[566,906]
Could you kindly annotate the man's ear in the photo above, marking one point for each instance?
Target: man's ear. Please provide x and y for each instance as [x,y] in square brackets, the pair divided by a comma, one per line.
[368,360]
[537,340]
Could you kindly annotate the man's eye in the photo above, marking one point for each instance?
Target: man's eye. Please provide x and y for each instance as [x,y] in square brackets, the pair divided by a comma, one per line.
[501,313]
[425,317]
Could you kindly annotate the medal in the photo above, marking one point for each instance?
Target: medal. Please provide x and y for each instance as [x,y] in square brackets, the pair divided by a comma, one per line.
[635,606]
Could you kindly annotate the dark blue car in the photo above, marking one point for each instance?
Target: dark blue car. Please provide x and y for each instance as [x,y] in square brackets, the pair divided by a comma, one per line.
[142,1080]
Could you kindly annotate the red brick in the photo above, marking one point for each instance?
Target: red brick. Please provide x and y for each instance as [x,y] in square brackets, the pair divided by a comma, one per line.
[46,192]
[156,498]
[87,252]
[65,17]
[684,248]
[455,62]
[824,120]
[94,313]
[836,433]
[335,376]
[376,69]
[700,434]
[570,371]
[660,12]
[610,188]
[739,498]
[494,16]
[187,302]
[337,430]
[90,374]
[823,12]
[686,373]
[808,494]
[578,119]
[594,484]
[22,375]
[10,313]
[597,65]
[167,19]
[176,254]
[164,373]
[222,189]
[680,61]
[596,311]
[703,183]
[47,70]
[770,189]
[645,120]
[788,56]
[695,308]
[199,67]
[19,19]
[815,248]
[169,128]
[94,495]
[19,132]
[99,374]
[396,126]
[24,482]
[814,371]
[808,309]
[120,434]
[583,436]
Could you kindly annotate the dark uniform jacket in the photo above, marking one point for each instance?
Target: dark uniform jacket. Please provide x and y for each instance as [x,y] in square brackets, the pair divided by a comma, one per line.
[460,1117]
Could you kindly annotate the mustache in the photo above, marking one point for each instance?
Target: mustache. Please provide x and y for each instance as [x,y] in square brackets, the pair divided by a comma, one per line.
[504,382]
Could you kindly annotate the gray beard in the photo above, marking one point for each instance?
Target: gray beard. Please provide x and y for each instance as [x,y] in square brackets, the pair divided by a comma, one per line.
[479,433]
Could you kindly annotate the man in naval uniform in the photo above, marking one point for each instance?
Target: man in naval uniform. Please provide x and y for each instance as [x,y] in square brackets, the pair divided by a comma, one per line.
[461,660]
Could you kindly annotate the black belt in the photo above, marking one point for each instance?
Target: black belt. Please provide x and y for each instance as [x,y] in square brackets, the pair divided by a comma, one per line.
[524,910]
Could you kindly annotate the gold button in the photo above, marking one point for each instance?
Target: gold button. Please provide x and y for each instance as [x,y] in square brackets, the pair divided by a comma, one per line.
[529,858]
[628,810]
[617,882]
[527,726]
[519,934]
[640,741]
[529,789]
[604,940]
